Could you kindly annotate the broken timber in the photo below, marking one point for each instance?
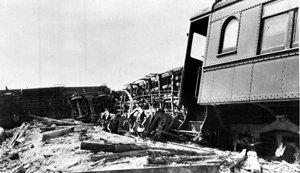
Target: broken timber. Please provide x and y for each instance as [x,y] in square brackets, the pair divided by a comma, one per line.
[51,121]
[203,168]
[44,129]
[117,148]
[139,153]
[18,134]
[176,159]
[56,133]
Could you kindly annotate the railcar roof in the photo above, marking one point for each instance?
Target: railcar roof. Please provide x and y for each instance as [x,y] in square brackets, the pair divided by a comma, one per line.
[216,5]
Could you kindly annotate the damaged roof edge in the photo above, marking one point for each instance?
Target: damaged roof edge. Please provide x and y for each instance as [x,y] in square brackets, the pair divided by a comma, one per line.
[216,5]
[201,13]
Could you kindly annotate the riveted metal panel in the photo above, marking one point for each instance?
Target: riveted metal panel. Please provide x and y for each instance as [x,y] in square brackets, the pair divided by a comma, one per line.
[254,59]
[249,32]
[242,82]
[205,59]
[212,49]
[207,87]
[290,88]
[213,55]
[239,6]
[267,80]
[222,85]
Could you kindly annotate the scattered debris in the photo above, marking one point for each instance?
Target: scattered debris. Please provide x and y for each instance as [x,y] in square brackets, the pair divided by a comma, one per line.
[42,149]
[18,135]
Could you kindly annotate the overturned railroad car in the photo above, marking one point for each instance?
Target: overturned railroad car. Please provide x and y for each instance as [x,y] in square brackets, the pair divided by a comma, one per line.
[246,74]
[11,108]
[149,106]
[88,102]
[81,103]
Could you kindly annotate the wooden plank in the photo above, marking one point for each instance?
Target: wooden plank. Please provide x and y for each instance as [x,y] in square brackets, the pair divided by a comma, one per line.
[56,133]
[140,153]
[203,168]
[50,121]
[18,134]
[176,159]
[117,148]
[107,147]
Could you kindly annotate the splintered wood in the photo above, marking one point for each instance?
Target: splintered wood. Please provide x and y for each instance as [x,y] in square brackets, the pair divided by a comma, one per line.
[18,135]
[64,147]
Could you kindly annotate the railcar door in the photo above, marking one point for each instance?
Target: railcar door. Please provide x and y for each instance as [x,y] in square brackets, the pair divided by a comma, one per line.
[193,62]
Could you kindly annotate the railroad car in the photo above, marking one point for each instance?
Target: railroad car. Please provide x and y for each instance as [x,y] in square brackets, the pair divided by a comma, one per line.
[242,65]
[149,106]
[11,109]
[80,103]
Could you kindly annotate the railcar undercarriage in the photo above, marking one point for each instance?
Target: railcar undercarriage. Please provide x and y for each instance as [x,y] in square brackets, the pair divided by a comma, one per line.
[270,128]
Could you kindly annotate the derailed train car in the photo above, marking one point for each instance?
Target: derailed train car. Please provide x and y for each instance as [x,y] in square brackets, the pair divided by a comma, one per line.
[11,108]
[80,103]
[248,79]
[149,107]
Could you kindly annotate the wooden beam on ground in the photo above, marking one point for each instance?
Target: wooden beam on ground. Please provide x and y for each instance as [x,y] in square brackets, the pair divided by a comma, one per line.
[177,159]
[50,121]
[203,168]
[56,133]
[139,153]
[44,129]
[113,138]
[118,148]
[115,148]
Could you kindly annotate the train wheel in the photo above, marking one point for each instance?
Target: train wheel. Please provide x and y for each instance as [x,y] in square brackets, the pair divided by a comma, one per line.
[125,105]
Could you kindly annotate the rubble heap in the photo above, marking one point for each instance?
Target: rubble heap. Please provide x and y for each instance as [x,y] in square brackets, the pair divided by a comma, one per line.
[49,145]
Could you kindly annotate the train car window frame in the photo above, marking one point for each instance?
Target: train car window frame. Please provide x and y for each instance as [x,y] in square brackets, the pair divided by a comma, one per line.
[270,31]
[229,30]
[283,32]
[198,46]
[296,30]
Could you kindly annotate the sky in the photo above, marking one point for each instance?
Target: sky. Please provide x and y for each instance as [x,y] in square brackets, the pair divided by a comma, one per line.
[46,43]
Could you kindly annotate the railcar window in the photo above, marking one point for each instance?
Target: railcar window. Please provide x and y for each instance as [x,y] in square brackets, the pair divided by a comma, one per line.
[198,46]
[229,35]
[296,31]
[274,33]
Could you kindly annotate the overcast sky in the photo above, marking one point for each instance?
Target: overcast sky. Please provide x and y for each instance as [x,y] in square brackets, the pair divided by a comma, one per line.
[46,43]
